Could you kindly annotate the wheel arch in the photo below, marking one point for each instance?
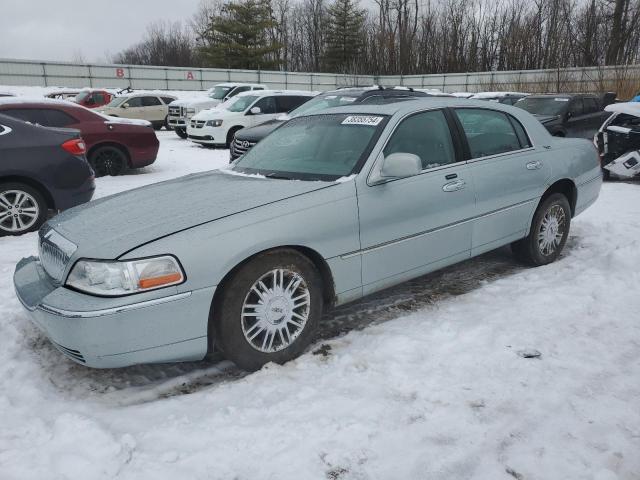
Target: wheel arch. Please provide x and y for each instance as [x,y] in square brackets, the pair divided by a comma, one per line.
[232,131]
[117,145]
[567,188]
[33,184]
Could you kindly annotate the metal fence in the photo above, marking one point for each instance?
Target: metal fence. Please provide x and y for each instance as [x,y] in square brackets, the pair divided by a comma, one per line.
[66,74]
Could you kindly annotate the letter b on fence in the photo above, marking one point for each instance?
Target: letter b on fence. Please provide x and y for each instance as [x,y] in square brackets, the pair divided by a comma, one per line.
[120,72]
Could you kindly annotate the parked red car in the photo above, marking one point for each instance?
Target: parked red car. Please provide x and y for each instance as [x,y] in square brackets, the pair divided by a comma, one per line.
[93,98]
[113,144]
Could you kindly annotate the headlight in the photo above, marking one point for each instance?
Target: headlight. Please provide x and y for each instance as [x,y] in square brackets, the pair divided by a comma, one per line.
[113,278]
[214,123]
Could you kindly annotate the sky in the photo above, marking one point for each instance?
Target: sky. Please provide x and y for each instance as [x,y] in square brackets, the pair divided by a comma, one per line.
[69,29]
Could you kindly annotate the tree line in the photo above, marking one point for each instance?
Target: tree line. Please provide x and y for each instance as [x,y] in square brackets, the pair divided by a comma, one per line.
[395,37]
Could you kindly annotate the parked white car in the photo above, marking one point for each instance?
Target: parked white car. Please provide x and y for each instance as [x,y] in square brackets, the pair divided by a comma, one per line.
[144,106]
[181,111]
[217,126]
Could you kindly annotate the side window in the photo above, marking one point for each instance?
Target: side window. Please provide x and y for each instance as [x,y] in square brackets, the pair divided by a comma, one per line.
[151,101]
[31,115]
[426,135]
[286,103]
[58,118]
[98,98]
[167,100]
[134,102]
[575,107]
[590,105]
[237,90]
[488,132]
[521,133]
[266,104]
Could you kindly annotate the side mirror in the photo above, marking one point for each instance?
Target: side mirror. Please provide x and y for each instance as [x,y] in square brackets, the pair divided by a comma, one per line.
[397,165]
[256,111]
[569,115]
[124,105]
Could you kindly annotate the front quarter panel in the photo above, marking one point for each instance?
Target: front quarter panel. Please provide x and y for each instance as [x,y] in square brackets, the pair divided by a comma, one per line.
[324,220]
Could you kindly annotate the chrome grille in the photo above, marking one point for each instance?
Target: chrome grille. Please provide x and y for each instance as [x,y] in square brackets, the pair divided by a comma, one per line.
[240,147]
[54,251]
[174,111]
[197,123]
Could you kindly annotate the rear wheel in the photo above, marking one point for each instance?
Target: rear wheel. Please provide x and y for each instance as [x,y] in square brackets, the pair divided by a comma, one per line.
[108,160]
[22,209]
[181,132]
[269,309]
[548,233]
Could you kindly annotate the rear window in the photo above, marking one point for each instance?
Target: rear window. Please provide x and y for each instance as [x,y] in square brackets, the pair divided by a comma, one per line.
[31,115]
[488,132]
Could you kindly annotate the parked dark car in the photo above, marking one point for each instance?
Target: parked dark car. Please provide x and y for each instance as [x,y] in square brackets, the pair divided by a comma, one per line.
[41,169]
[113,144]
[247,137]
[567,115]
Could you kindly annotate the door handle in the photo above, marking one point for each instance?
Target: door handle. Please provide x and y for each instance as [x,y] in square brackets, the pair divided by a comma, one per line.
[537,165]
[454,186]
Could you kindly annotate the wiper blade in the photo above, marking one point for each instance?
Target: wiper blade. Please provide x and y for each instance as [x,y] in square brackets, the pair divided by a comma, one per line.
[278,176]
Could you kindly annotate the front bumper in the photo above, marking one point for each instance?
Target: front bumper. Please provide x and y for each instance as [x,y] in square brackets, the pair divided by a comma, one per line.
[154,327]
[179,122]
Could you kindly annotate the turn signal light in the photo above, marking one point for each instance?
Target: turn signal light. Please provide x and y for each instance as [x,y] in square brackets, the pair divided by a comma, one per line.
[151,282]
[75,146]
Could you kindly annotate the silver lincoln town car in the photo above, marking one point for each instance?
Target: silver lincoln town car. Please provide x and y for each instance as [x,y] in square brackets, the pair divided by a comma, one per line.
[328,208]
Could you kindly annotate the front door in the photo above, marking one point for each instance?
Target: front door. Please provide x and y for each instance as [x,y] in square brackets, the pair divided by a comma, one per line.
[268,111]
[414,225]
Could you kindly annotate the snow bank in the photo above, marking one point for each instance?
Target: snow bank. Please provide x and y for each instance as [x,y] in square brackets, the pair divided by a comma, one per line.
[437,393]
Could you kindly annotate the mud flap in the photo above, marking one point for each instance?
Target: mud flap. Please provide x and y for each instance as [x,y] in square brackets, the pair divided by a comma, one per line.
[627,165]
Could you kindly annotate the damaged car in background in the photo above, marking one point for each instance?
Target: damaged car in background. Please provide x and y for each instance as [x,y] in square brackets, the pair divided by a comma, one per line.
[618,141]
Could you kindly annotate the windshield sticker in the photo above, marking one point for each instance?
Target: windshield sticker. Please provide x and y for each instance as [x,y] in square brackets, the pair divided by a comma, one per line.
[561,99]
[362,120]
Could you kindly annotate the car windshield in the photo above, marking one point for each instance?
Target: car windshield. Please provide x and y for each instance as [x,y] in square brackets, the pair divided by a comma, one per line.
[543,106]
[218,93]
[319,147]
[116,102]
[240,104]
[322,102]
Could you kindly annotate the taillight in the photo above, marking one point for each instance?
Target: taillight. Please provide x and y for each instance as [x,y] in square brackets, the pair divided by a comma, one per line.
[75,146]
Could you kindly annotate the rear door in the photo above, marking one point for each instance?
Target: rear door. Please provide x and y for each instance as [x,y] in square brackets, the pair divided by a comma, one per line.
[577,121]
[509,175]
[413,225]
[286,103]
[594,115]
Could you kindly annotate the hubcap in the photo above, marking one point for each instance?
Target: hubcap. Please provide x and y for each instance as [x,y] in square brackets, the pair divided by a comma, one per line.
[552,230]
[18,211]
[276,310]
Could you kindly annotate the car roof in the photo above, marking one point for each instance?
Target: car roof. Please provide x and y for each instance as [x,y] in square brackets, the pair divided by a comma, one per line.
[499,94]
[562,95]
[411,105]
[239,84]
[37,101]
[269,93]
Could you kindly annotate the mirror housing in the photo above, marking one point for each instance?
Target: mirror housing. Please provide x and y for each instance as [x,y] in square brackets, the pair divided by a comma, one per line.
[397,165]
[255,111]
[124,105]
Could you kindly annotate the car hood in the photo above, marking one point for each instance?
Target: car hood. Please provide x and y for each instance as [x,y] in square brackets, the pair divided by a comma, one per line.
[257,133]
[204,103]
[111,226]
[546,118]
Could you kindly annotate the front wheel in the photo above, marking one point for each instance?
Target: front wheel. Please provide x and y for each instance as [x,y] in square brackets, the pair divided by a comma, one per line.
[22,209]
[269,309]
[181,132]
[166,124]
[548,233]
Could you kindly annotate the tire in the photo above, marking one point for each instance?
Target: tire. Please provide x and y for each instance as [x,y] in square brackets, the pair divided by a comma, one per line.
[181,132]
[230,135]
[552,215]
[22,209]
[253,336]
[108,160]
[157,126]
[606,175]
[166,125]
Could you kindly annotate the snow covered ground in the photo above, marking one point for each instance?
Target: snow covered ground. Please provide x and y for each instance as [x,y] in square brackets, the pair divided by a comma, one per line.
[423,381]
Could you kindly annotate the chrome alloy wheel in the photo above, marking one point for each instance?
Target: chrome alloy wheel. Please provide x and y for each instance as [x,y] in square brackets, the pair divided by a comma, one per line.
[19,211]
[552,230]
[276,310]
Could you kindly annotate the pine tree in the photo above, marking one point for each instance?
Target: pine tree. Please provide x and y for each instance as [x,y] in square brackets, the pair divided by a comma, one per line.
[345,35]
[239,37]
